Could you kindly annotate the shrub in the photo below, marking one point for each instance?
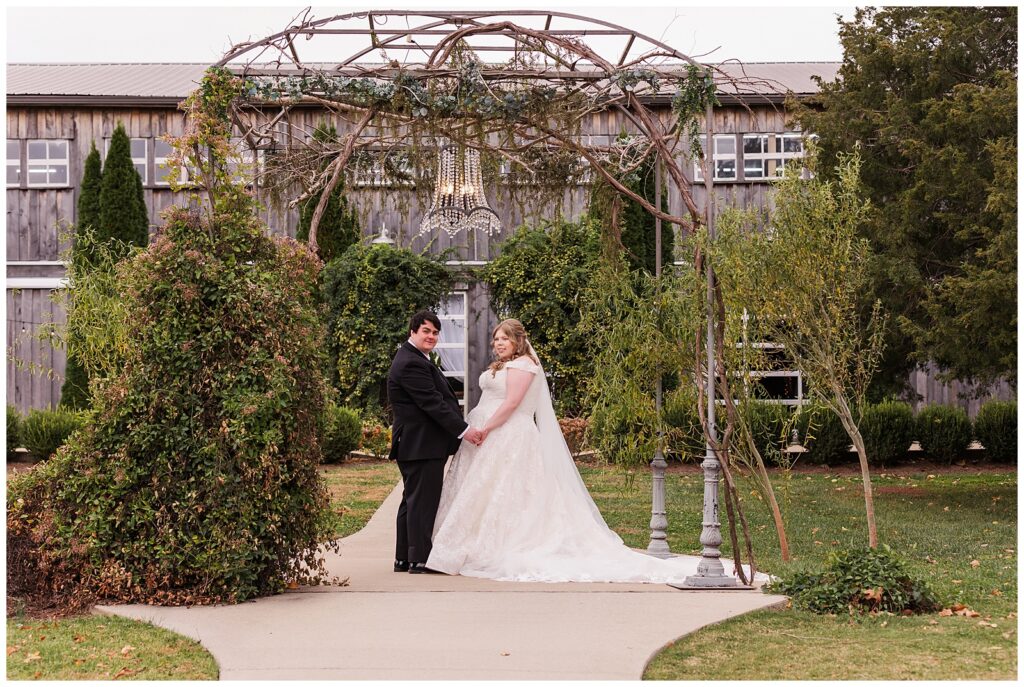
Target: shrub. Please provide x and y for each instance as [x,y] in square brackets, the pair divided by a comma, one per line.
[768,423]
[339,224]
[343,431]
[822,433]
[45,431]
[888,429]
[996,429]
[376,437]
[858,581]
[574,429]
[196,479]
[540,278]
[370,293]
[13,429]
[944,432]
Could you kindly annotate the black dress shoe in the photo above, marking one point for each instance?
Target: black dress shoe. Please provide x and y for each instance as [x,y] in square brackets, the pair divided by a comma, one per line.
[401,566]
[421,568]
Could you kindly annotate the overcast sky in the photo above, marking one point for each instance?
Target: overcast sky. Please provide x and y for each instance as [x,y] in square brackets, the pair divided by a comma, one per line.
[151,32]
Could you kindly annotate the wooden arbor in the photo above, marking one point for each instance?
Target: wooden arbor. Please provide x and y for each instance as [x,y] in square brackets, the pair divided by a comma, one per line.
[414,78]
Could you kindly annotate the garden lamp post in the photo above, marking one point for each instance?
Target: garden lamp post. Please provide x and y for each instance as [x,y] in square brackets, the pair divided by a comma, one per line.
[658,546]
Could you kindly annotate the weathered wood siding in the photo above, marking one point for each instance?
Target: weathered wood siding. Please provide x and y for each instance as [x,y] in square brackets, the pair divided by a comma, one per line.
[35,369]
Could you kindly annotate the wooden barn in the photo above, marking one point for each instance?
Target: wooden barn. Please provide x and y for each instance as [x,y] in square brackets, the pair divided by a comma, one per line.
[56,111]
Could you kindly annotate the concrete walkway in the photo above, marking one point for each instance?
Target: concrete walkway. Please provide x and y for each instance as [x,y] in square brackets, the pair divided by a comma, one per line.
[394,626]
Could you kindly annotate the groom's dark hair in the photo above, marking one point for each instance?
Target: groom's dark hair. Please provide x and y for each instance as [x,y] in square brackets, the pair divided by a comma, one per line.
[417,320]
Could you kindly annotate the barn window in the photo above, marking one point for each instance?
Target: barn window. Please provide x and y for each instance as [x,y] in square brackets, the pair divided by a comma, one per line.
[724,159]
[13,162]
[47,163]
[162,150]
[765,155]
[451,344]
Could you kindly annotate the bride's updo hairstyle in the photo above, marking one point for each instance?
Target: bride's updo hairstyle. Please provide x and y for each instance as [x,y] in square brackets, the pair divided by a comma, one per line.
[516,333]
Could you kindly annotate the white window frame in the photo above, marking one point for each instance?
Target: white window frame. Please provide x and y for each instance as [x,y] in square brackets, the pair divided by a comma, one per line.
[765,156]
[49,163]
[15,162]
[136,161]
[698,175]
[462,320]
[158,180]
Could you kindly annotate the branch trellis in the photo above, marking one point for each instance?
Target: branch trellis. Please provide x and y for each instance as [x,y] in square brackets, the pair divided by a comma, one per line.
[524,108]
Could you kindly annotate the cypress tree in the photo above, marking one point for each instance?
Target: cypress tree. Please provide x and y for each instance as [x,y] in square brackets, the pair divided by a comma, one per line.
[638,225]
[75,391]
[339,226]
[123,213]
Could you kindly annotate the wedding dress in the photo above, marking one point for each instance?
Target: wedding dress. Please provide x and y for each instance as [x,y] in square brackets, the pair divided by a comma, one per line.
[515,507]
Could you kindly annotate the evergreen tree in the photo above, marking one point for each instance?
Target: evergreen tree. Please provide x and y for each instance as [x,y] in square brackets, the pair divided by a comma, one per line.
[339,225]
[638,225]
[123,214]
[75,391]
[929,94]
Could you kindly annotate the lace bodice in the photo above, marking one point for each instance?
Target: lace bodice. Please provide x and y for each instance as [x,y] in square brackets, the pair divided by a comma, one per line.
[493,386]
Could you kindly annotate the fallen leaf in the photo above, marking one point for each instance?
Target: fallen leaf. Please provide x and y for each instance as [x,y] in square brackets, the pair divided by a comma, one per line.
[815,530]
[907,612]
[34,656]
[884,623]
[997,592]
[936,622]
[946,612]
[957,581]
[931,476]
[505,653]
[11,650]
[946,508]
[1007,635]
[982,623]
[975,563]
[79,661]
[127,649]
[931,560]
[78,639]
[293,585]
[124,672]
[1011,616]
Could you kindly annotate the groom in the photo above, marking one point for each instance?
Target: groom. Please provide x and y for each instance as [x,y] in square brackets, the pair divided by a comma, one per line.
[427,429]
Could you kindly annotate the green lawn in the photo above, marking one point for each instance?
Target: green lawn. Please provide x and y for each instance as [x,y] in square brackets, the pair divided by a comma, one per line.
[958,531]
[357,490]
[102,648]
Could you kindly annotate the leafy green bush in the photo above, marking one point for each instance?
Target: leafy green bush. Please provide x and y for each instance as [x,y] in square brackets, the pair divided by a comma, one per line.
[376,437]
[45,431]
[944,432]
[858,581]
[768,423]
[343,430]
[996,428]
[13,429]
[371,292]
[888,429]
[823,434]
[196,479]
[540,279]
[682,422]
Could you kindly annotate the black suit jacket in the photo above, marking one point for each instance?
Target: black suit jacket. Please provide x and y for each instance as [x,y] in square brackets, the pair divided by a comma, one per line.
[428,420]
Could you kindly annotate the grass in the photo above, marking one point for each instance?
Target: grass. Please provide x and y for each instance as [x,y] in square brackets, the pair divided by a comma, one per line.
[357,490]
[102,648]
[958,531]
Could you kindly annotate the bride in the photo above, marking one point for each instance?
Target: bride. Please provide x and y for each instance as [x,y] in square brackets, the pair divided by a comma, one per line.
[514,507]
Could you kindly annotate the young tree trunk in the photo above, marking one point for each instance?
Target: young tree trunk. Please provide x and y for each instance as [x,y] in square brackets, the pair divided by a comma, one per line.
[846,416]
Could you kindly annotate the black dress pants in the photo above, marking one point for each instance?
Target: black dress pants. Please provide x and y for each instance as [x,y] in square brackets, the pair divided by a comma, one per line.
[421,495]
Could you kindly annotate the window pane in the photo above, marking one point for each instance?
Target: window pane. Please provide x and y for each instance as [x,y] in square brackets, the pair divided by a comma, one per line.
[59,174]
[13,177]
[161,148]
[138,147]
[37,175]
[13,149]
[755,144]
[163,174]
[453,305]
[725,144]
[753,168]
[37,150]
[141,169]
[725,169]
[792,144]
[58,150]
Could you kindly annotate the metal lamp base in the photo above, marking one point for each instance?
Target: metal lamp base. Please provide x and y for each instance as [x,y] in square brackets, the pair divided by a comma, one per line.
[710,582]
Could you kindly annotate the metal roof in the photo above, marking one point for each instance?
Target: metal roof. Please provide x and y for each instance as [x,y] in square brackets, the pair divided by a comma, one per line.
[168,83]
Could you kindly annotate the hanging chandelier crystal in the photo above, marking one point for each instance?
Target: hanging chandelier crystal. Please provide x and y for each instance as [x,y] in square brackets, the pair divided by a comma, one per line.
[459,201]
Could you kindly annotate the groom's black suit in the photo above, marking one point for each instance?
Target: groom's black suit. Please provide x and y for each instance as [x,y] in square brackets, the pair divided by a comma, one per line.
[428,423]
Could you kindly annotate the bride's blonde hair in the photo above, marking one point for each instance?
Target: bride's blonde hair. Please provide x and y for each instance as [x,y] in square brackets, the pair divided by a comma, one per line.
[516,332]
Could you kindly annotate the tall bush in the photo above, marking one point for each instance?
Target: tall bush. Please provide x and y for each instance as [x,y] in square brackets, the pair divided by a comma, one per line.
[122,206]
[370,293]
[45,431]
[13,429]
[196,480]
[339,224]
[540,278]
[888,429]
[823,434]
[944,432]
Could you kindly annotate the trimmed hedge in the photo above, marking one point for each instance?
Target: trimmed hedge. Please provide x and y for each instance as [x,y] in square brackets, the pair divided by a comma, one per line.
[996,429]
[888,429]
[45,431]
[343,430]
[823,434]
[944,432]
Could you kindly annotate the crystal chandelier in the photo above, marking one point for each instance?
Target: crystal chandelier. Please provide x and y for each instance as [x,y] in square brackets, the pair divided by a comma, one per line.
[459,201]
